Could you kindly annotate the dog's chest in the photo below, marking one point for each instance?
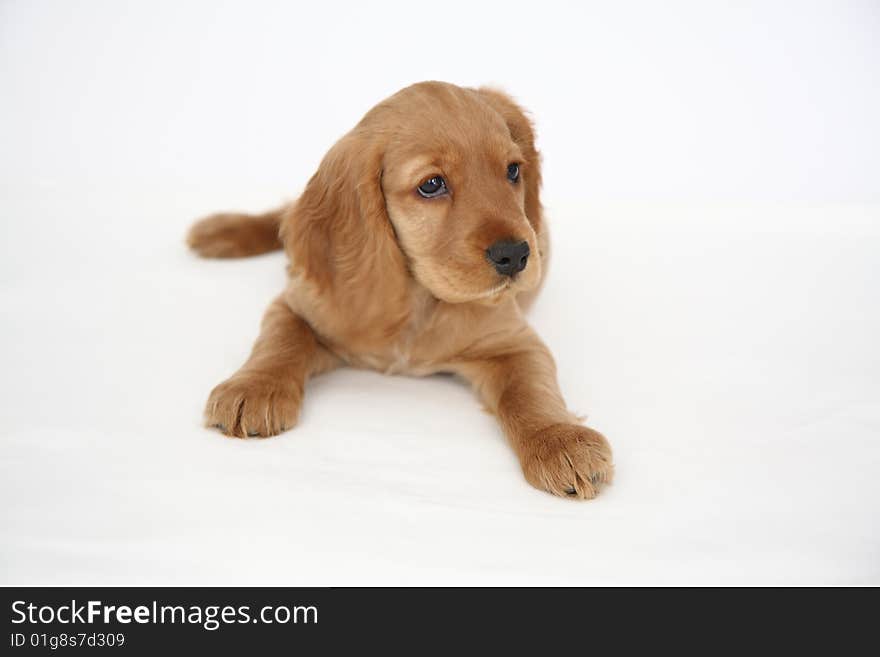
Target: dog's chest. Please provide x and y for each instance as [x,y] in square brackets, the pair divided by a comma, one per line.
[439,336]
[426,337]
[408,349]
[399,360]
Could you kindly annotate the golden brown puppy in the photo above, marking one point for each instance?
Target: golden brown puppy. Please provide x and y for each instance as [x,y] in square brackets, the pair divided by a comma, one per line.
[408,250]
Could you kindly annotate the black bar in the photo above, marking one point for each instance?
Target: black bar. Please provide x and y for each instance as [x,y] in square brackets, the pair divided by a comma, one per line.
[328,621]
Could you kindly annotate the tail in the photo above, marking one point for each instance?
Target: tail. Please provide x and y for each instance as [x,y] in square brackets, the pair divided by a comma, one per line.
[233,235]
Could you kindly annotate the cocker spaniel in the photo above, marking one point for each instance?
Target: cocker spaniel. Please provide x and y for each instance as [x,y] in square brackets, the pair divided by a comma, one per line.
[412,250]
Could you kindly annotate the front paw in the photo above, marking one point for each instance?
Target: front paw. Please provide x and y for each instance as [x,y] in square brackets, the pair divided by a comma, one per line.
[252,405]
[568,460]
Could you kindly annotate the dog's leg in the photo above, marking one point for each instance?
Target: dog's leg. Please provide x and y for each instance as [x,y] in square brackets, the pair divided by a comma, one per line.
[263,398]
[517,382]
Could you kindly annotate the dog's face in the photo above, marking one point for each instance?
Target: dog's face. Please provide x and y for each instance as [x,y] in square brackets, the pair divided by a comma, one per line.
[437,182]
[454,183]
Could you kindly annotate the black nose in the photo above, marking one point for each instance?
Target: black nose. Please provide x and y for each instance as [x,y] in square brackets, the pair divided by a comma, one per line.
[508,257]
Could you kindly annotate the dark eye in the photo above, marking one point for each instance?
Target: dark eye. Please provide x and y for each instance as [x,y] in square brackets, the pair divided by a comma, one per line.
[432,187]
[513,172]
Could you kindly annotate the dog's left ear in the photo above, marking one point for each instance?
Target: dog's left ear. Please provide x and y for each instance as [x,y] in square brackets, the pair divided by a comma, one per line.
[523,133]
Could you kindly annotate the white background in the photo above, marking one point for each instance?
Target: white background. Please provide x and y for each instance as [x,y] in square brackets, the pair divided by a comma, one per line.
[712,181]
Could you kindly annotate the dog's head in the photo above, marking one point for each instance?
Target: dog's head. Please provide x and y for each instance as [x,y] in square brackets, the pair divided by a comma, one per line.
[437,182]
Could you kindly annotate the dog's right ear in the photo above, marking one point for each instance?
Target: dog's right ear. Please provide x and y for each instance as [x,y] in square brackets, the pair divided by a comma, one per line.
[338,234]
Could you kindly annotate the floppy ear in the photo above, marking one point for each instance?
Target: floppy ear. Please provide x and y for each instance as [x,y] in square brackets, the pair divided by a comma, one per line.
[338,234]
[523,133]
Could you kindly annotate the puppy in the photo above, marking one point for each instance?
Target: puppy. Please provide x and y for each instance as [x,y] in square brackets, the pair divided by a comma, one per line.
[411,251]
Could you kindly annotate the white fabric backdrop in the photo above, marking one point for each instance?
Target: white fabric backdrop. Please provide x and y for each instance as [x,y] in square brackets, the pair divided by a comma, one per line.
[712,189]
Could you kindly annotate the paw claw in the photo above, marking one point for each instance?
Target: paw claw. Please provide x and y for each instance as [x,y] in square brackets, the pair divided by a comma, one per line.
[253,405]
[569,460]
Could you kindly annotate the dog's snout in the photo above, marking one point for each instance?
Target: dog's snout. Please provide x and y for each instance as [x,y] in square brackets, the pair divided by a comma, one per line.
[508,257]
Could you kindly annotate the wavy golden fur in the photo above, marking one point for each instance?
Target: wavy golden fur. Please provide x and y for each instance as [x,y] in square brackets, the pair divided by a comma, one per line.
[383,277]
